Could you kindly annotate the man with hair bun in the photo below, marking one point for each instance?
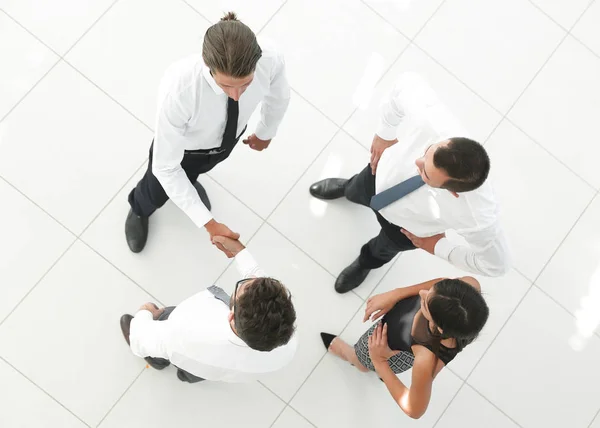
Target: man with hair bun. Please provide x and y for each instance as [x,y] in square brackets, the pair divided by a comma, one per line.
[204,104]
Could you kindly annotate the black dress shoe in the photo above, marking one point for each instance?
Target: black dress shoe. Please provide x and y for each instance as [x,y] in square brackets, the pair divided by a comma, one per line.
[203,196]
[136,231]
[157,363]
[126,326]
[327,339]
[351,277]
[330,188]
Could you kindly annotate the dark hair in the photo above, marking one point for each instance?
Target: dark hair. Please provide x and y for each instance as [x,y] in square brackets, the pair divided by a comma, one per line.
[465,161]
[265,315]
[459,310]
[231,48]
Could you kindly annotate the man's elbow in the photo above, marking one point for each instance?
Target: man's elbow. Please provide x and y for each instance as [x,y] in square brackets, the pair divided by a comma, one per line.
[496,270]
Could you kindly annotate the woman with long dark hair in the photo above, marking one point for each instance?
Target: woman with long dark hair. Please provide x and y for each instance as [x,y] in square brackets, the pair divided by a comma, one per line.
[424,327]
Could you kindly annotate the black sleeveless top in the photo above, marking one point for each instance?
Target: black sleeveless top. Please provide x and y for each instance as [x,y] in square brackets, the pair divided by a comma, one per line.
[400,321]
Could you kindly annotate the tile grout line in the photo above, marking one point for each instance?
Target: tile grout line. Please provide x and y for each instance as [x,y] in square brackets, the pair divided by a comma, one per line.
[302,416]
[13,108]
[197,11]
[326,352]
[108,95]
[89,29]
[38,281]
[120,270]
[119,399]
[450,402]
[45,392]
[594,419]
[397,30]
[271,18]
[111,200]
[505,116]
[552,155]
[30,33]
[494,405]
[565,237]
[499,331]
[532,284]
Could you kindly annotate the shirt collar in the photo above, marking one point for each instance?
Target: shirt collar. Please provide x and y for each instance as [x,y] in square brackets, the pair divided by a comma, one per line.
[211,80]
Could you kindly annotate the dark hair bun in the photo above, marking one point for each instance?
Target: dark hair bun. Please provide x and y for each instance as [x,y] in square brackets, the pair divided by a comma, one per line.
[230,16]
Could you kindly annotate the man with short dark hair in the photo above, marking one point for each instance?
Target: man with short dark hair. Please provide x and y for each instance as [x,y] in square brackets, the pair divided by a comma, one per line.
[204,104]
[429,182]
[212,337]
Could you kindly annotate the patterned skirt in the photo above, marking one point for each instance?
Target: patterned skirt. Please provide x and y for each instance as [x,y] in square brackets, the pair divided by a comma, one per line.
[398,363]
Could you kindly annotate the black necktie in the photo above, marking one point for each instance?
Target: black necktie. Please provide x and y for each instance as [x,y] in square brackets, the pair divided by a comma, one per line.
[395,193]
[230,134]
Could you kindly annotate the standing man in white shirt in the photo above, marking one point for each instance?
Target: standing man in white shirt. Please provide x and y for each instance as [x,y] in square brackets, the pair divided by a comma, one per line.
[212,337]
[204,104]
[421,183]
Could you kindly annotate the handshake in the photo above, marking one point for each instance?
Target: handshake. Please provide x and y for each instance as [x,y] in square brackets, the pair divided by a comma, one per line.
[224,238]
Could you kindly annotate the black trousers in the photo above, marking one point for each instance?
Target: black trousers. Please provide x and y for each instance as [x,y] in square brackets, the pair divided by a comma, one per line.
[163,362]
[149,194]
[390,241]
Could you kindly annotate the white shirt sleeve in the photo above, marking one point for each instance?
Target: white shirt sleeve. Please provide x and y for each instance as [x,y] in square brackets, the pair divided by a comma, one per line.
[169,147]
[487,253]
[148,338]
[247,266]
[413,97]
[275,103]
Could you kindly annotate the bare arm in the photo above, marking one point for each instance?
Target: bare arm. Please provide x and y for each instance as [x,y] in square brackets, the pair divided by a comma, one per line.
[414,400]
[381,304]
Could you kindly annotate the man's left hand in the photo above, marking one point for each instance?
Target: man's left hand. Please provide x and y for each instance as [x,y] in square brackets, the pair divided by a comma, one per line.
[427,244]
[153,309]
[256,143]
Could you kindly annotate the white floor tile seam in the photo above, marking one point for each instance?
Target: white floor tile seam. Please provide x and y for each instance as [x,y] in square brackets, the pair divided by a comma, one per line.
[449,403]
[15,307]
[14,107]
[271,18]
[492,404]
[28,31]
[565,237]
[556,158]
[531,285]
[293,409]
[593,52]
[121,396]
[326,352]
[498,333]
[44,391]
[397,30]
[400,32]
[544,292]
[150,128]
[594,419]
[99,254]
[568,30]
[505,115]
[197,11]
[102,15]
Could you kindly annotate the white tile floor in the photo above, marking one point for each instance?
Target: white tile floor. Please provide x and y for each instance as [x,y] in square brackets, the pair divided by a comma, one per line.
[77,93]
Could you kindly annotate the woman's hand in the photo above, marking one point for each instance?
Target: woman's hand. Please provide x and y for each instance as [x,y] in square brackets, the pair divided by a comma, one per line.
[381,304]
[379,349]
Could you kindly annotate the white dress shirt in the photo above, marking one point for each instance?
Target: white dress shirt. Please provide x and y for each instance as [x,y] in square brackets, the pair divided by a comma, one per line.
[197,337]
[413,114]
[192,113]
